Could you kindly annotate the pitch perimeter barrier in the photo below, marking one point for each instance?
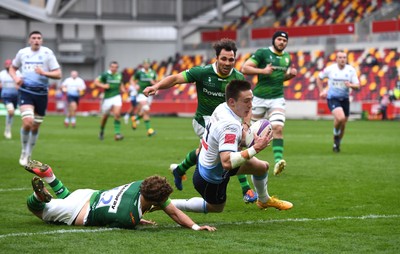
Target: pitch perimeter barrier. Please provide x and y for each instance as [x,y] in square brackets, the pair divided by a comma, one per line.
[308,109]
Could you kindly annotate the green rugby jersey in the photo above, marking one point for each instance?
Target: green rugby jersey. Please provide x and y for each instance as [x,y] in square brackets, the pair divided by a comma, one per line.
[119,207]
[144,78]
[270,86]
[114,80]
[210,88]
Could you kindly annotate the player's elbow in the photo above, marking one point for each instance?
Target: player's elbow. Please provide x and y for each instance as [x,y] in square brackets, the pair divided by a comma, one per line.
[244,69]
[57,74]
[226,160]
[227,165]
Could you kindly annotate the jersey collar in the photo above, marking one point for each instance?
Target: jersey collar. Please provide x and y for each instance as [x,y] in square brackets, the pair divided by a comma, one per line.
[275,52]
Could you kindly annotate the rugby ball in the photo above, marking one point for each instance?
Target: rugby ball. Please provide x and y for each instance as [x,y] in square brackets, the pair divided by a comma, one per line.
[261,128]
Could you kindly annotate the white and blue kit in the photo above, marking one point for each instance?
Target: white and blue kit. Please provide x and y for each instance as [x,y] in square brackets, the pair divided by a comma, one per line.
[336,80]
[74,87]
[133,94]
[9,92]
[338,92]
[27,60]
[223,133]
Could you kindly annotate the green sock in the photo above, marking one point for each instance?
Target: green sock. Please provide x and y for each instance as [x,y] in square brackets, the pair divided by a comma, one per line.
[189,161]
[117,126]
[138,117]
[59,189]
[147,124]
[277,149]
[244,184]
[34,204]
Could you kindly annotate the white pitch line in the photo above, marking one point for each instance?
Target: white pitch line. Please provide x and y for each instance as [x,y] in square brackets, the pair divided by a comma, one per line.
[364,217]
[61,231]
[64,231]
[15,189]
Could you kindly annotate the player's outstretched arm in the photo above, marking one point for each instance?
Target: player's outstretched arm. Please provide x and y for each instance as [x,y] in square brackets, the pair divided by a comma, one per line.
[182,219]
[165,83]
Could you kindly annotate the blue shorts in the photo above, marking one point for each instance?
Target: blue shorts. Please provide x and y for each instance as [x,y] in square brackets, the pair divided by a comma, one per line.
[343,103]
[133,101]
[212,193]
[13,100]
[39,102]
[73,98]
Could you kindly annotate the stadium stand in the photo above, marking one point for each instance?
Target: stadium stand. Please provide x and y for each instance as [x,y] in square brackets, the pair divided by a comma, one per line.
[378,69]
[378,66]
[324,12]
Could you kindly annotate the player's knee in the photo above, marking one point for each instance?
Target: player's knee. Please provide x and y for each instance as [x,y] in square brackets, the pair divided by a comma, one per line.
[278,130]
[341,119]
[215,208]
[262,169]
[10,107]
[145,108]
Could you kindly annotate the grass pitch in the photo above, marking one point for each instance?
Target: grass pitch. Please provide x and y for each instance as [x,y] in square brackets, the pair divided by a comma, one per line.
[343,203]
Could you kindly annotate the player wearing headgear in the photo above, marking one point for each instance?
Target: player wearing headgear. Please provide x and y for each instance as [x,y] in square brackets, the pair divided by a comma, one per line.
[272,65]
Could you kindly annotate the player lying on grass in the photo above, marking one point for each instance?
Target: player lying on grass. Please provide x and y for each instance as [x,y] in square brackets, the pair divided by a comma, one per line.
[121,207]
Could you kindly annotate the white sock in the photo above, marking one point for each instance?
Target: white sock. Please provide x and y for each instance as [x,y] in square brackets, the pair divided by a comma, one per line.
[197,205]
[9,121]
[49,179]
[31,143]
[260,184]
[24,139]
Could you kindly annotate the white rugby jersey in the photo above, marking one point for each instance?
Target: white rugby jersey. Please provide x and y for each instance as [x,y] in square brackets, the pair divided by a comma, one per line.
[132,90]
[336,78]
[8,84]
[26,60]
[74,85]
[222,133]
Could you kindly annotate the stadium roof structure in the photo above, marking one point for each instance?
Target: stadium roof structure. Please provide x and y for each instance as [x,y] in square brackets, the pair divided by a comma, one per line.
[197,13]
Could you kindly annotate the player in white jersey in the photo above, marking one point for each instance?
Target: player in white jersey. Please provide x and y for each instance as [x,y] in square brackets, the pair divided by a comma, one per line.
[37,64]
[9,96]
[74,87]
[132,112]
[220,156]
[341,77]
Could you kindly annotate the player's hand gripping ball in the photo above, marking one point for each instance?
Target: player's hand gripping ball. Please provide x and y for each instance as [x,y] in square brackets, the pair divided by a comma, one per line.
[261,128]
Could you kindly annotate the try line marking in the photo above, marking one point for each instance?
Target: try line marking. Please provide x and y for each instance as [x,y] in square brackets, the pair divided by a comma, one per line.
[95,230]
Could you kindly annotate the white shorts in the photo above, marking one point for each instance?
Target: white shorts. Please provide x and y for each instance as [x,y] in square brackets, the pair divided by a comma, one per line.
[65,210]
[263,106]
[198,128]
[142,98]
[110,102]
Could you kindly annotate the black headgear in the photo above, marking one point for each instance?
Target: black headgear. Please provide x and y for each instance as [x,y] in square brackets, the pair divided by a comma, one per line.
[279,34]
